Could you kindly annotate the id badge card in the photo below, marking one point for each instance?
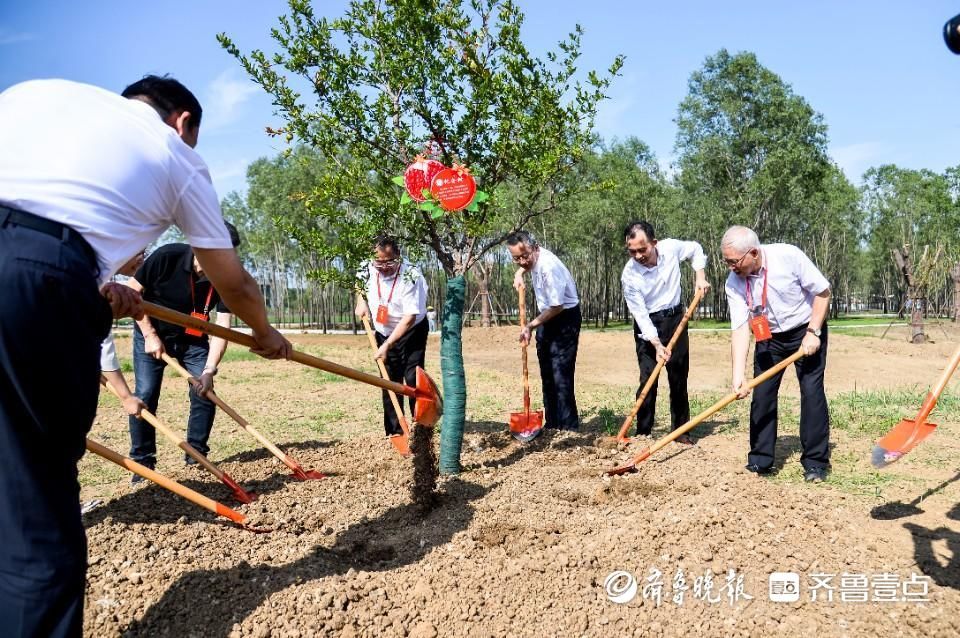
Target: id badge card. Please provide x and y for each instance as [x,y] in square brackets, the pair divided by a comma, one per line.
[193,332]
[760,327]
[382,315]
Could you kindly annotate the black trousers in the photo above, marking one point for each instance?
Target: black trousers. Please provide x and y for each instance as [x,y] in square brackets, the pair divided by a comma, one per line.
[557,343]
[408,352]
[814,416]
[49,384]
[678,368]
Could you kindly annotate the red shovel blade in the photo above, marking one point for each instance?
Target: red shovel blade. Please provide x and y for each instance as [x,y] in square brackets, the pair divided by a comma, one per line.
[901,439]
[526,426]
[401,444]
[429,406]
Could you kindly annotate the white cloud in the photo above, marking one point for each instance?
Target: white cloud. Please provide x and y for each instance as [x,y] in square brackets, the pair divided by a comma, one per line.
[855,159]
[229,175]
[611,121]
[225,97]
[13,37]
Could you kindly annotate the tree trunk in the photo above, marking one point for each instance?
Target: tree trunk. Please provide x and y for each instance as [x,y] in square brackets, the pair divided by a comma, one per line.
[955,275]
[482,272]
[453,376]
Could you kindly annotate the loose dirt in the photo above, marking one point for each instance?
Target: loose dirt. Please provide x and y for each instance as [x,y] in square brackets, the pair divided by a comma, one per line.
[522,542]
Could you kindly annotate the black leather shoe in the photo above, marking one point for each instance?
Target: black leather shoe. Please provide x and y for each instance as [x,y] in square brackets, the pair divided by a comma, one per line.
[756,469]
[815,475]
[189,460]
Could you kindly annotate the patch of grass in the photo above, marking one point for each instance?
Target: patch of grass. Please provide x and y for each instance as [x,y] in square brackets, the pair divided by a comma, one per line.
[237,353]
[609,420]
[872,413]
[323,376]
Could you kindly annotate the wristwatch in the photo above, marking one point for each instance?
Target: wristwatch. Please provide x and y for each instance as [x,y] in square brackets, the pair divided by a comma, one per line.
[816,331]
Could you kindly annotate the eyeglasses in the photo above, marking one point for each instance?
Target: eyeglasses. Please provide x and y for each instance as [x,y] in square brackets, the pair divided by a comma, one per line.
[735,263]
[521,258]
[384,263]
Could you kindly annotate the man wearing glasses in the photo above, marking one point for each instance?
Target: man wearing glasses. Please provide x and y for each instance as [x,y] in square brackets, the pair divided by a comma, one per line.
[557,325]
[398,293]
[651,288]
[778,294]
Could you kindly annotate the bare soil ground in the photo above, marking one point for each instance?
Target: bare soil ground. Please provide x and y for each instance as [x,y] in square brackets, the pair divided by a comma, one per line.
[523,540]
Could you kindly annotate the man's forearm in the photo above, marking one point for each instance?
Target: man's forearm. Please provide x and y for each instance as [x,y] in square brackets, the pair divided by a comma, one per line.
[739,345]
[146,327]
[818,314]
[405,324]
[545,316]
[217,345]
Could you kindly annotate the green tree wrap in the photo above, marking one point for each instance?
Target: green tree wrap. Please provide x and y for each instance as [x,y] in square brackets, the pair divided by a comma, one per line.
[454,378]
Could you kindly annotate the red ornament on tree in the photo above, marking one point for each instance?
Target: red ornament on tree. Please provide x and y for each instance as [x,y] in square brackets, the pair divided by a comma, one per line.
[419,176]
[454,188]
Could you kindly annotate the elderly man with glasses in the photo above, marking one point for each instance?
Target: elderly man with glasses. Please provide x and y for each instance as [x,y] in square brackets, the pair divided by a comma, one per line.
[398,293]
[778,294]
[651,288]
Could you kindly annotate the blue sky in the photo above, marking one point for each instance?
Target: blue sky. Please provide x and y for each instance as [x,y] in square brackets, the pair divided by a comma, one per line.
[878,71]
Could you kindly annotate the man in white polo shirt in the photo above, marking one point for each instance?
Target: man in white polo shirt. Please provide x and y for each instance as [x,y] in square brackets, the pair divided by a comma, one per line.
[557,325]
[398,292]
[778,294]
[651,288]
[87,180]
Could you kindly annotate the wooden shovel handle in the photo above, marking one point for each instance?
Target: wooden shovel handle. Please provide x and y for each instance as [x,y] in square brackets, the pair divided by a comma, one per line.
[234,336]
[220,403]
[933,396]
[523,349]
[652,379]
[150,418]
[725,401]
[164,482]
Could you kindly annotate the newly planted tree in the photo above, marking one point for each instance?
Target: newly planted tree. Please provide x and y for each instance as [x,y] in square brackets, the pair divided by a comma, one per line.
[392,81]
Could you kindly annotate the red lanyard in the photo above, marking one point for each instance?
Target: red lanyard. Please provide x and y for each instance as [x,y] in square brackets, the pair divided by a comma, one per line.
[763,299]
[379,294]
[193,301]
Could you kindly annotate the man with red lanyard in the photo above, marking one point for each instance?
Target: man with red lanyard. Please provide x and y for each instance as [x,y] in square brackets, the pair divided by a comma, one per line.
[398,294]
[172,277]
[776,293]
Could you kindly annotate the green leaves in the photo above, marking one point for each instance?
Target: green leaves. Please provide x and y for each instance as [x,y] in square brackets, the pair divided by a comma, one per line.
[389,77]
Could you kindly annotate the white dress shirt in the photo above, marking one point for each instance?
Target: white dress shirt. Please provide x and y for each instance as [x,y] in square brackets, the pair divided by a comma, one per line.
[106,166]
[792,283]
[409,296]
[552,283]
[649,289]
[109,362]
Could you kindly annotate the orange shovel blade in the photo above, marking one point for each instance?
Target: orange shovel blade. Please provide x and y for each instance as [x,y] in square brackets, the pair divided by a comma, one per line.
[901,439]
[429,405]
[400,444]
[525,426]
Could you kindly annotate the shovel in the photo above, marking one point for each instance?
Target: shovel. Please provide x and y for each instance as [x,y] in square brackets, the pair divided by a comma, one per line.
[173,486]
[238,492]
[429,403]
[695,421]
[622,436]
[298,471]
[526,425]
[401,442]
[908,433]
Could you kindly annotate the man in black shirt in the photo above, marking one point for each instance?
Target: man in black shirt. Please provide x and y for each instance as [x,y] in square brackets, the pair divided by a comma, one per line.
[172,277]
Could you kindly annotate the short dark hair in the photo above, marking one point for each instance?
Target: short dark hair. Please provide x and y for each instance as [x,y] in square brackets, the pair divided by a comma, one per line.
[643,226]
[234,233]
[386,241]
[167,96]
[522,237]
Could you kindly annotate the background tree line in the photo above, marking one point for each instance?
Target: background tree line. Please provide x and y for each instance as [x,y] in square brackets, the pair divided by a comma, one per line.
[748,151]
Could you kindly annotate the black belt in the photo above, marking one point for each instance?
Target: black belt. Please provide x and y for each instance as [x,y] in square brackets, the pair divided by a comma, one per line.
[24,219]
[667,312]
